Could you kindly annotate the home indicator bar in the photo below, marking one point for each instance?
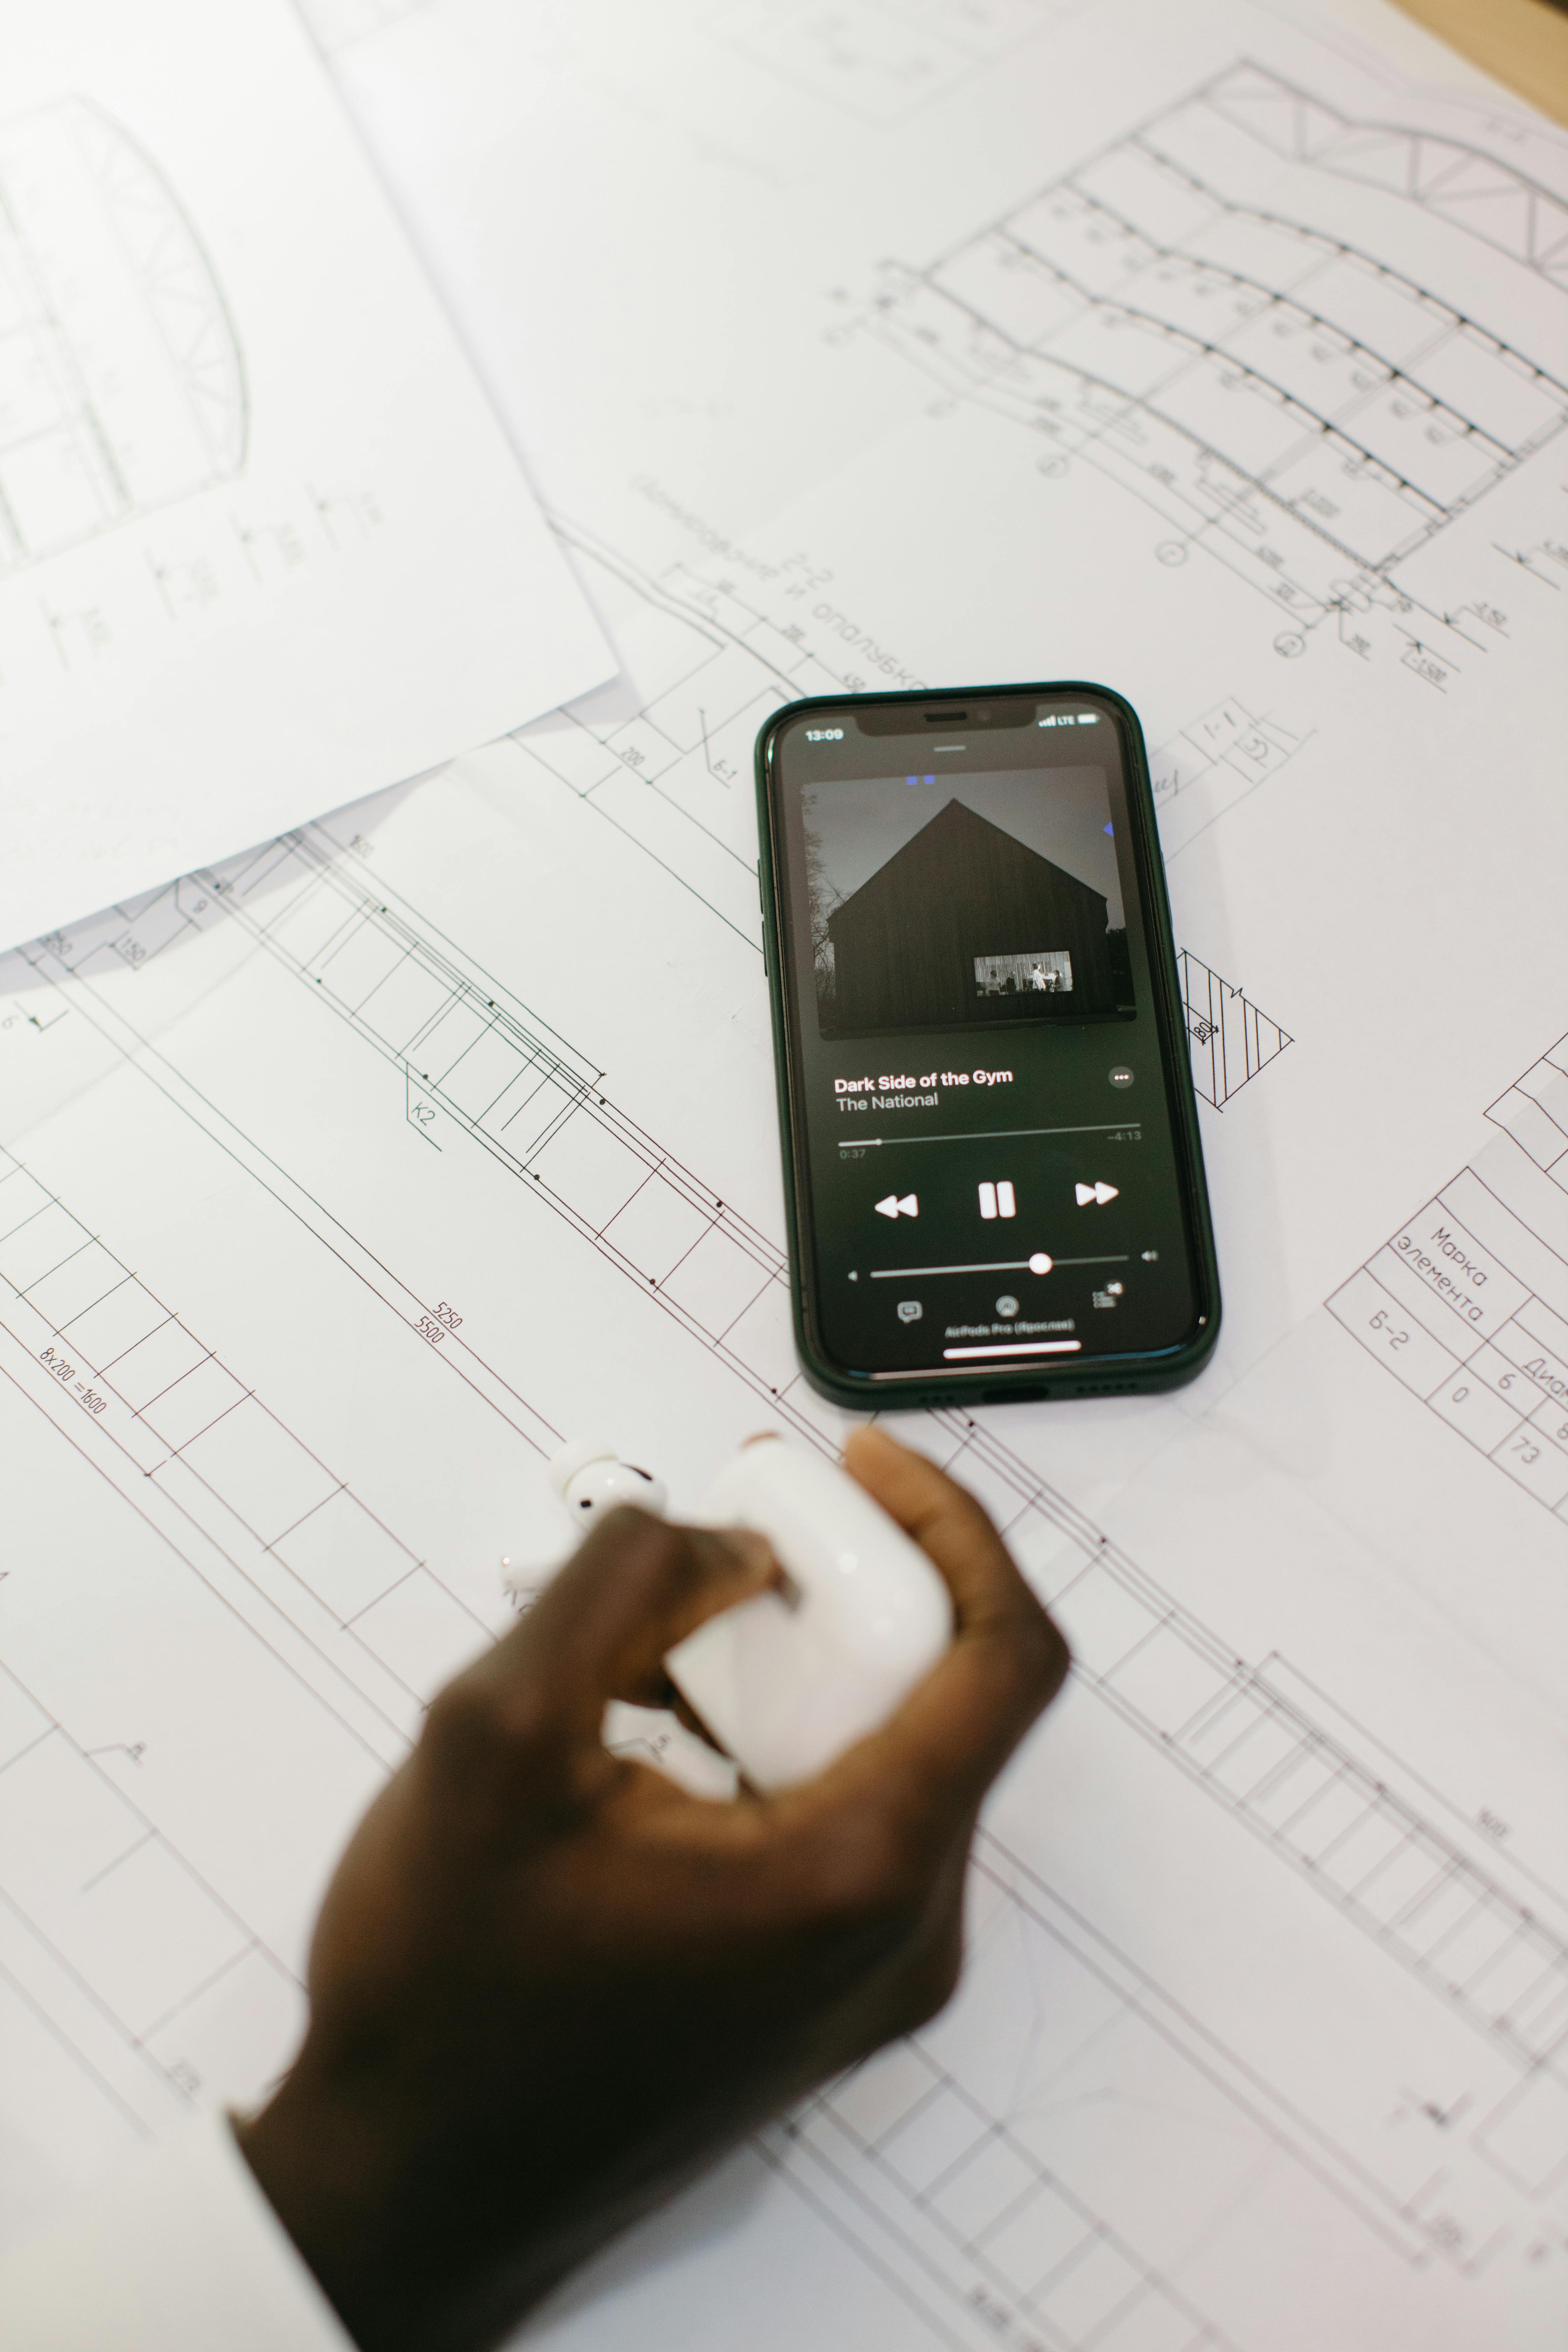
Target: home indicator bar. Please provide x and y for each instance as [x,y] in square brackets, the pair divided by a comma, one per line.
[1024,1348]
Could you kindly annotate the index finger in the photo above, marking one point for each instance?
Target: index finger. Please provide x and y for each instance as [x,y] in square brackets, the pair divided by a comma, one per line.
[945,1744]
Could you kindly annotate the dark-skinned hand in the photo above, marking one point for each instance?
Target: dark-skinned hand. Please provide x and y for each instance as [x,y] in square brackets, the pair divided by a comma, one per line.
[547,1985]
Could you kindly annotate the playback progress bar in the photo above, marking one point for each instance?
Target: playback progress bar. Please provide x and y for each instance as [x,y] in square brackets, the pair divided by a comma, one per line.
[989,1135]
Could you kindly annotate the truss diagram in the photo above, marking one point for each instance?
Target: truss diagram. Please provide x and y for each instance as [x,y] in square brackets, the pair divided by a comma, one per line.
[1307,413]
[1468,1304]
[881,59]
[338,23]
[1489,199]
[1231,1041]
[121,383]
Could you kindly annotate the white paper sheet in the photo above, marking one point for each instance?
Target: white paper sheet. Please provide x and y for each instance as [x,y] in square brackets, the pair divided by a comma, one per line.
[263,545]
[345,1180]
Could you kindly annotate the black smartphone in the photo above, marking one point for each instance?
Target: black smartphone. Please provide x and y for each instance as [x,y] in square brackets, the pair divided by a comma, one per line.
[995,1182]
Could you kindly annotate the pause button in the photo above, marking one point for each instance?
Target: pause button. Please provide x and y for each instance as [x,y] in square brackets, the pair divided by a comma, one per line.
[996,1201]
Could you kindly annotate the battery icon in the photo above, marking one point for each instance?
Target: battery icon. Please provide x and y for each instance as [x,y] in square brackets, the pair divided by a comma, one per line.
[1089,717]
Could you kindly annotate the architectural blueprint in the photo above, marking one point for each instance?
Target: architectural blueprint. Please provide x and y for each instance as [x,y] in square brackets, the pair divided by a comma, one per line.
[82,456]
[263,545]
[344,1178]
[1477,1328]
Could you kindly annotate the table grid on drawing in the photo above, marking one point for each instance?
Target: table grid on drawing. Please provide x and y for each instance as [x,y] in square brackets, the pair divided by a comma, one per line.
[902,2138]
[1467,1303]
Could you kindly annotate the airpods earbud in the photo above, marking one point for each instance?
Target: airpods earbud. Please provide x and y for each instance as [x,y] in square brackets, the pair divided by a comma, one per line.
[592,1479]
[787,1681]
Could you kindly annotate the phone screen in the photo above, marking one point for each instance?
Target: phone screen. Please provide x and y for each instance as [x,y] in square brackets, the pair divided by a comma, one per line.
[987,1164]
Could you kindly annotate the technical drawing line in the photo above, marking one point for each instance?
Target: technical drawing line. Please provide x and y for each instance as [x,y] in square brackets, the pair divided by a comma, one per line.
[575,1078]
[227,1968]
[1468,1304]
[1226,742]
[345,1247]
[251,1939]
[855,2238]
[1005,2293]
[1189,352]
[1231,1040]
[312,839]
[136,384]
[1227,739]
[1509,1984]
[1238,1718]
[1127,311]
[117,1286]
[673,871]
[653,785]
[1388,1869]
[673,725]
[572,1096]
[1138,1991]
[917,2165]
[1464,183]
[1276,1667]
[56,2034]
[226,1600]
[88,1884]
[338,24]
[882,64]
[297,1460]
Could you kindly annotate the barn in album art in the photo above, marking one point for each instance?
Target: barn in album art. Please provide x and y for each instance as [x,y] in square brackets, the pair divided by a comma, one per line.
[966,924]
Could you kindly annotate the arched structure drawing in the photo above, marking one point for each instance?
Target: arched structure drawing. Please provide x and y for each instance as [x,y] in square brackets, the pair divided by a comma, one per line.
[121,380]
[338,23]
[1253,378]
[1490,198]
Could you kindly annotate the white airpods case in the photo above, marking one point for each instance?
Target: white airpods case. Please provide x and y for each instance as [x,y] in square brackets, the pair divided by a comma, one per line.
[787,1683]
